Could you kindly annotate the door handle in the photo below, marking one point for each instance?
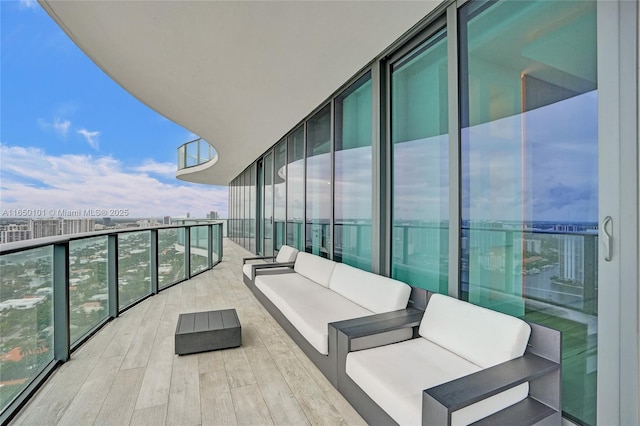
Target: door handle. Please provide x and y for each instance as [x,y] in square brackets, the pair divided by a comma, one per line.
[607,237]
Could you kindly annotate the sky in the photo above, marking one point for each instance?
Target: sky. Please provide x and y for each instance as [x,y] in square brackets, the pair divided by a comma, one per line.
[71,138]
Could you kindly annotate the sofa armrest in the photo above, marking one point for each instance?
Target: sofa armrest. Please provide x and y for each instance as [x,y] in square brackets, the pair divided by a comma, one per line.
[246,259]
[439,402]
[357,328]
[260,266]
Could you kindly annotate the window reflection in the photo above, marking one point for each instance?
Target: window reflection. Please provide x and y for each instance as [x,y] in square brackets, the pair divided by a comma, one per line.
[318,183]
[280,195]
[419,128]
[295,189]
[530,174]
[352,175]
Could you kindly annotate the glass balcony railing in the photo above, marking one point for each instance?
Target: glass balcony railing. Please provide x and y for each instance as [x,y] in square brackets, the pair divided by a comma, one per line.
[56,292]
[194,153]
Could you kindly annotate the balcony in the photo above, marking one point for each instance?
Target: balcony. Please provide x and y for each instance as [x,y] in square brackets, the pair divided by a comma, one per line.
[127,372]
[195,158]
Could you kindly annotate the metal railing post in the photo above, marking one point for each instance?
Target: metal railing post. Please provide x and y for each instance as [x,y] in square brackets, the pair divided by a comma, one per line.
[61,339]
[187,252]
[210,233]
[112,274]
[153,261]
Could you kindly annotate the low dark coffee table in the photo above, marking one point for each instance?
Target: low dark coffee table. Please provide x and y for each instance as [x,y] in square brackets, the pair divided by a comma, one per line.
[208,331]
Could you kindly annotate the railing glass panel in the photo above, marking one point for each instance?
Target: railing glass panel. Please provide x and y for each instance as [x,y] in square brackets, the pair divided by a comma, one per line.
[26,319]
[199,248]
[134,267]
[88,291]
[170,256]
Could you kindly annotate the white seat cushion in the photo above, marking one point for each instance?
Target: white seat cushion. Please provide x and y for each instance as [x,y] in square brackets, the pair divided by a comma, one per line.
[309,307]
[481,336]
[246,269]
[316,268]
[286,254]
[394,376]
[371,291]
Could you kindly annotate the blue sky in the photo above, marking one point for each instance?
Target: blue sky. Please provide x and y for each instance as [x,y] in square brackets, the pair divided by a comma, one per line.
[71,138]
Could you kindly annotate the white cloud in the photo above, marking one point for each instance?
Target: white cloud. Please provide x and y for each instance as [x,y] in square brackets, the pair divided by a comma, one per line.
[34,179]
[91,137]
[28,4]
[153,167]
[62,127]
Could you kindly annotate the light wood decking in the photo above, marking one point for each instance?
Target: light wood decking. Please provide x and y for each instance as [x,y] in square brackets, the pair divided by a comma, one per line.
[128,374]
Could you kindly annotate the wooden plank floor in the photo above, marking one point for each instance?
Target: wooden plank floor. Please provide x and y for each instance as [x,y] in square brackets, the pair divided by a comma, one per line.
[128,374]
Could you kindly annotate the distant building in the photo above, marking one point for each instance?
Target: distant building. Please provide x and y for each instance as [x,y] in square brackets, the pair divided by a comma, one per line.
[26,303]
[106,221]
[14,232]
[213,215]
[571,257]
[166,220]
[41,228]
[76,226]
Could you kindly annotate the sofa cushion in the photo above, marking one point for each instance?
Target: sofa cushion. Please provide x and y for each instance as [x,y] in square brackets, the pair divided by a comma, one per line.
[394,376]
[246,269]
[481,336]
[309,307]
[316,268]
[286,254]
[372,291]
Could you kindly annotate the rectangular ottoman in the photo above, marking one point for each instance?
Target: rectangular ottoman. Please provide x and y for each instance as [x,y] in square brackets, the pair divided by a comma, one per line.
[207,331]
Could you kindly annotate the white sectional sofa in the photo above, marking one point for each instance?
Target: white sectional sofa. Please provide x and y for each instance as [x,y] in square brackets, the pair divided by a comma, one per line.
[284,259]
[467,364]
[320,292]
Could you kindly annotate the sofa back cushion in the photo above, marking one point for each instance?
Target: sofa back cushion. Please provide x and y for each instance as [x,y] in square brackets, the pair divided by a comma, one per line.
[286,254]
[371,291]
[477,334]
[314,267]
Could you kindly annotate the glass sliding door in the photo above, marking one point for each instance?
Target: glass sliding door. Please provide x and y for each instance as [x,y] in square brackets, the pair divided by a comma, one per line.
[267,201]
[295,189]
[529,174]
[260,192]
[280,194]
[318,183]
[352,175]
[420,166]
[252,208]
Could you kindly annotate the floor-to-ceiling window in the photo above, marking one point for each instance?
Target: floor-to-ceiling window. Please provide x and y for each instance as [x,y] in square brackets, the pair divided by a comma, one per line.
[295,189]
[245,209]
[529,170]
[251,217]
[420,165]
[267,200]
[280,194]
[352,175]
[318,183]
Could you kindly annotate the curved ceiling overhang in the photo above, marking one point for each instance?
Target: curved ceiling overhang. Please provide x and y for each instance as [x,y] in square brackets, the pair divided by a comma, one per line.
[239,74]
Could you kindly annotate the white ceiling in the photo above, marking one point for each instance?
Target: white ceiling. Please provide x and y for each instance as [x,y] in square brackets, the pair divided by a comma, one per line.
[239,74]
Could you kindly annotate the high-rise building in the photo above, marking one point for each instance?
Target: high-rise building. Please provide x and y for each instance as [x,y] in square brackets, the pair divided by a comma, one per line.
[41,228]
[76,226]
[14,232]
